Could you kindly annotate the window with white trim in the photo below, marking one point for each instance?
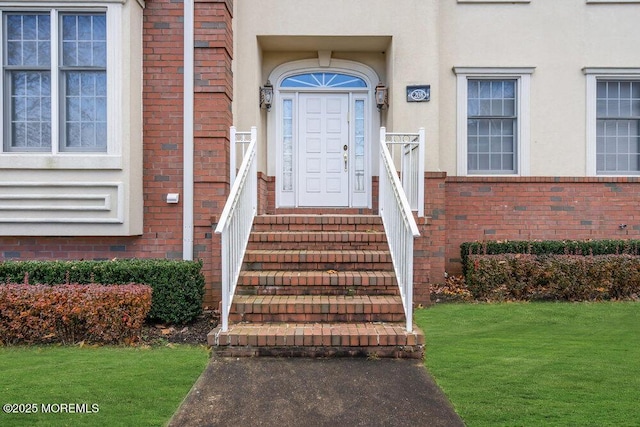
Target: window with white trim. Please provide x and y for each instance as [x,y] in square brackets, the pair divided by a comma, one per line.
[32,68]
[613,121]
[617,130]
[70,117]
[493,120]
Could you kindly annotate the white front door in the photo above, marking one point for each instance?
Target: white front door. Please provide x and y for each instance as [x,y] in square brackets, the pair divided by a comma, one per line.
[323,152]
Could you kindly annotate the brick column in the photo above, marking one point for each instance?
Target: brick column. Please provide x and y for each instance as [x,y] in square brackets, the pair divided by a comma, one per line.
[429,248]
[212,110]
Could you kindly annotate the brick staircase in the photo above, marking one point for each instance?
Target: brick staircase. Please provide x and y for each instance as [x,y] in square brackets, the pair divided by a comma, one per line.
[317,285]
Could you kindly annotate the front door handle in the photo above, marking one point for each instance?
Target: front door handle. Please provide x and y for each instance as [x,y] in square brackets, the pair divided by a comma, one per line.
[345,156]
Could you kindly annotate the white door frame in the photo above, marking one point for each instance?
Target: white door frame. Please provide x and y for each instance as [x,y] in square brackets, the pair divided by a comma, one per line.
[275,120]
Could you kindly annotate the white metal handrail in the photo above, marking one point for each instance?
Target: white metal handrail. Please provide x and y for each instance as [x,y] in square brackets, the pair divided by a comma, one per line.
[236,222]
[239,142]
[411,147]
[399,225]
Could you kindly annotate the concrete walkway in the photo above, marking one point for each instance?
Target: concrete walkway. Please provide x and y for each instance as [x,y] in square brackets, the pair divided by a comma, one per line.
[315,392]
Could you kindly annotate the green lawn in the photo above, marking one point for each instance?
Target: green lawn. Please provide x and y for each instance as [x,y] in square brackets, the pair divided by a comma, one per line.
[537,364]
[130,386]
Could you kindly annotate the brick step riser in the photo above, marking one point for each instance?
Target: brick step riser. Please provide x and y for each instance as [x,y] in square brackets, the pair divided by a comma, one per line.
[328,281]
[313,335]
[391,352]
[323,211]
[262,227]
[317,246]
[316,290]
[315,318]
[317,266]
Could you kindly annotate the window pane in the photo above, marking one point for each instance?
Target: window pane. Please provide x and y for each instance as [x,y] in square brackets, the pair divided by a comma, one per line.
[99,54]
[324,80]
[85,111]
[85,53]
[84,40]
[483,162]
[473,88]
[359,145]
[30,109]
[28,40]
[70,54]
[14,27]
[287,145]
[510,107]
[84,45]
[485,89]
[510,89]
[84,27]
[491,143]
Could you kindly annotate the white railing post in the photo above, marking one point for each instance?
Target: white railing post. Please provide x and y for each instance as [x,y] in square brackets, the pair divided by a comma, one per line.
[232,155]
[381,189]
[410,146]
[421,159]
[254,172]
[399,224]
[236,220]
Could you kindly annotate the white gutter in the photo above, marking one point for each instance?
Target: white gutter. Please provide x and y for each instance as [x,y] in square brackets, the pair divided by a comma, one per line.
[188,117]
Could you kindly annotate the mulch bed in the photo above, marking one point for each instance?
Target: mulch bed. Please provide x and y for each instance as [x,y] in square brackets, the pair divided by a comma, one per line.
[193,333]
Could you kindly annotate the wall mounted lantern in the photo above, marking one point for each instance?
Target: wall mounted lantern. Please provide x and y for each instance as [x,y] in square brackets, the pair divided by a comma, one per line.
[382,97]
[266,96]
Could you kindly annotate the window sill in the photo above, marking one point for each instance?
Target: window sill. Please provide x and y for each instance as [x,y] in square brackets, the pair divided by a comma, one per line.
[40,161]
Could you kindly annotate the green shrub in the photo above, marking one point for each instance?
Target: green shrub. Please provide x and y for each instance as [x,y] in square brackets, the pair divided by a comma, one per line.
[34,314]
[553,277]
[178,286]
[548,247]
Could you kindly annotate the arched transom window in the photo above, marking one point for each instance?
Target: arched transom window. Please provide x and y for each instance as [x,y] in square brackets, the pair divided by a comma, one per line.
[323,80]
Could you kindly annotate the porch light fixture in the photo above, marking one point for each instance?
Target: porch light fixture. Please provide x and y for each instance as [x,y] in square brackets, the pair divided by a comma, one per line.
[266,96]
[382,97]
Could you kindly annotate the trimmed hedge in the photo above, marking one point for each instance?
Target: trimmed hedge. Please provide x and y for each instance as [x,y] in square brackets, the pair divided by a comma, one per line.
[178,286]
[35,314]
[553,277]
[548,247]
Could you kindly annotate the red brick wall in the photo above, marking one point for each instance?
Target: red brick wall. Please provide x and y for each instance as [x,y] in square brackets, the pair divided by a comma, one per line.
[163,145]
[538,208]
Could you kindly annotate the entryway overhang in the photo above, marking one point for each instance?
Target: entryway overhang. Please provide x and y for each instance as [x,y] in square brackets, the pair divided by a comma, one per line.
[361,43]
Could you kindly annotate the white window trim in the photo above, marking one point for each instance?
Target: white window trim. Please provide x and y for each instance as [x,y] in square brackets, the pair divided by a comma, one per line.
[55,159]
[111,180]
[593,74]
[522,75]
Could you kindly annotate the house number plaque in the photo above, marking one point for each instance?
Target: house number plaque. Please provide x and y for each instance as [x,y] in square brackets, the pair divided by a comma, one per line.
[421,93]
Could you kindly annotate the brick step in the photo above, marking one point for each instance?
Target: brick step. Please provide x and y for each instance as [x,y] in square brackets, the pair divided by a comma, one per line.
[298,222]
[320,308]
[337,260]
[374,339]
[323,211]
[318,240]
[315,290]
[279,282]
